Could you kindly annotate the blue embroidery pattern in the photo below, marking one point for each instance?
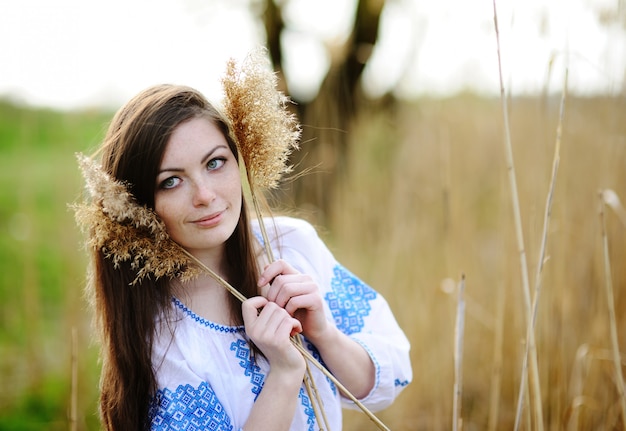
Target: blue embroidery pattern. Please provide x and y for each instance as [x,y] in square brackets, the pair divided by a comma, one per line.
[242,352]
[349,300]
[397,382]
[308,409]
[316,354]
[207,323]
[188,409]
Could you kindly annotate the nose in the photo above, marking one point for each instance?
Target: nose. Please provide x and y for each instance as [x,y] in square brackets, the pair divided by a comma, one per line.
[203,193]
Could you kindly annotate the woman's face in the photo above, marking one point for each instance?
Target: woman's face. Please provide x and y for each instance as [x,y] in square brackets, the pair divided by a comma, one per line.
[198,188]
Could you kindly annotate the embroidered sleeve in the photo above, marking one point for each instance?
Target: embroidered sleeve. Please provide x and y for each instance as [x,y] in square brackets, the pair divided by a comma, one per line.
[363,314]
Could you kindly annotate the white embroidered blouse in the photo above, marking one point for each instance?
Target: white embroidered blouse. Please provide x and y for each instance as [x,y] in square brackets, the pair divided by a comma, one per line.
[205,375]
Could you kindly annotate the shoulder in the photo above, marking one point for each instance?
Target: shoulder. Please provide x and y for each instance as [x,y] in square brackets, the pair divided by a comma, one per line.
[297,242]
[292,225]
[287,229]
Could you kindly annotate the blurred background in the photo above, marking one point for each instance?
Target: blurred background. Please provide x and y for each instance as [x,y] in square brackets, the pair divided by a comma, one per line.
[406,175]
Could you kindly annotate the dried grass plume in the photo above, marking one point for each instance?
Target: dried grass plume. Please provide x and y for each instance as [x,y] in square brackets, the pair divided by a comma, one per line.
[264,129]
[126,231]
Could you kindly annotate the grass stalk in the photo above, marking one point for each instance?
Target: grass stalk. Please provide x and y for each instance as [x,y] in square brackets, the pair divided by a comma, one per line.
[457,421]
[544,237]
[496,370]
[74,382]
[309,383]
[259,214]
[611,199]
[612,319]
[534,373]
[577,384]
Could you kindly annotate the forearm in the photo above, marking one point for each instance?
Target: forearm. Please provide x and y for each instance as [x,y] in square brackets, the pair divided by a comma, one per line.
[275,406]
[270,329]
[347,360]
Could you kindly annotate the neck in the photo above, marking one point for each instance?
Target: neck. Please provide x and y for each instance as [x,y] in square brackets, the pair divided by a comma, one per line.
[213,258]
[205,297]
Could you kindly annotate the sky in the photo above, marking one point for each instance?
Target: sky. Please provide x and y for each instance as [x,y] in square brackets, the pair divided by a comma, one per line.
[72,54]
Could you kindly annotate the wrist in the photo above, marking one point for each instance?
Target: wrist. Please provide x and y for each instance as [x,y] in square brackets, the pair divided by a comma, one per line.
[287,376]
[327,337]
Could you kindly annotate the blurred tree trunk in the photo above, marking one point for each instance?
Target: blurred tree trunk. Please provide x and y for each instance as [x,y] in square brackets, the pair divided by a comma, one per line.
[328,118]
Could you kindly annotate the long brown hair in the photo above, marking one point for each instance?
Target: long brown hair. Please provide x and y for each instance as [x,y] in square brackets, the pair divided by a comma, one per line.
[125,313]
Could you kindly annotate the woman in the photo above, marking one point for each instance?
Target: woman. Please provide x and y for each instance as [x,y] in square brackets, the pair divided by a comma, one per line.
[186,354]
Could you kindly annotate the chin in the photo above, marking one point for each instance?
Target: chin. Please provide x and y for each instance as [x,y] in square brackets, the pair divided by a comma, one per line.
[212,238]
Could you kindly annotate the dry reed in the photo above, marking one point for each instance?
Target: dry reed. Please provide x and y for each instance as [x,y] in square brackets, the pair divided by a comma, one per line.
[457,421]
[619,378]
[496,371]
[263,128]
[399,246]
[530,330]
[265,133]
[534,372]
[125,231]
[612,200]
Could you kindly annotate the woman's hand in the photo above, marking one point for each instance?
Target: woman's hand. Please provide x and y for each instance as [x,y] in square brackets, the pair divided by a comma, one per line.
[270,328]
[298,294]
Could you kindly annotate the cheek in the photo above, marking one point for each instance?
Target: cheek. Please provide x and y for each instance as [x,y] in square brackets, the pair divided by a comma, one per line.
[237,195]
[166,211]
[234,189]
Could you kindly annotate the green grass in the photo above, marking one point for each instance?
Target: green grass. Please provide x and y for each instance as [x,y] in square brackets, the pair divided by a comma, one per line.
[41,266]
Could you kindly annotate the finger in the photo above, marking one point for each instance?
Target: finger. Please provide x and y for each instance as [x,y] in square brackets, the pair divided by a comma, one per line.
[274,269]
[274,323]
[282,288]
[296,327]
[250,308]
[287,325]
[290,287]
[309,302]
[275,287]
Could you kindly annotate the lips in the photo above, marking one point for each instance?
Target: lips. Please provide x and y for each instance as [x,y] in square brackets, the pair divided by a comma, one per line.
[209,220]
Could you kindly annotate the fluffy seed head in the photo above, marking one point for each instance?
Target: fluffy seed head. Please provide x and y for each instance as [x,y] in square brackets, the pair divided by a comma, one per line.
[123,230]
[264,129]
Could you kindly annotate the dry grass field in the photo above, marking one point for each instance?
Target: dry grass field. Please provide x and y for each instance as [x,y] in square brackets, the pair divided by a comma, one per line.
[423,199]
[427,199]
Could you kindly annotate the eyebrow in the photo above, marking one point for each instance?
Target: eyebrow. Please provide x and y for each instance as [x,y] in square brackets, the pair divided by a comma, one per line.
[202,162]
